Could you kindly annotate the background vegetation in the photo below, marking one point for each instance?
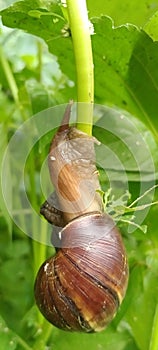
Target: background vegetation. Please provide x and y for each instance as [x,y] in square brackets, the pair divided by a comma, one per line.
[37,71]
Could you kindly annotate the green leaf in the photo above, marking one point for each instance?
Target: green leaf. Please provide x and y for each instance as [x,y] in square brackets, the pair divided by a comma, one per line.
[130,146]
[151,27]
[39,95]
[125,61]
[16,283]
[37,18]
[109,339]
[143,291]
[154,334]
[135,12]
[48,26]
[7,337]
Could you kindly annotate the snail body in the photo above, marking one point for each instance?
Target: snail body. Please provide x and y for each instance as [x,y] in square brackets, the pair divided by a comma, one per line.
[82,286]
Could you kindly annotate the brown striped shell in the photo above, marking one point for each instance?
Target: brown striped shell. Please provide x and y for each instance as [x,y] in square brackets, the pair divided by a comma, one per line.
[81,288]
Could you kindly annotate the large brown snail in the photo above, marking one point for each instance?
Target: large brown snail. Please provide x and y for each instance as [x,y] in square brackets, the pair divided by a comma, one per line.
[82,286]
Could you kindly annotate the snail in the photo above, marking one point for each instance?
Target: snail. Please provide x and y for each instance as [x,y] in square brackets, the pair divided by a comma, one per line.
[82,286]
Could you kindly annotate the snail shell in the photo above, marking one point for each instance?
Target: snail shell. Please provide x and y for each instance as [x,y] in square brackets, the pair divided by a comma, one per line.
[82,286]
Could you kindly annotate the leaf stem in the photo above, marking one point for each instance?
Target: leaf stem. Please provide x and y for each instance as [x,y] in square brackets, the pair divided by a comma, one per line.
[80,31]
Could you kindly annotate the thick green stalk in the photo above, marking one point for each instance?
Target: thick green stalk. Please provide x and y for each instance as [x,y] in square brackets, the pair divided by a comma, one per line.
[79,25]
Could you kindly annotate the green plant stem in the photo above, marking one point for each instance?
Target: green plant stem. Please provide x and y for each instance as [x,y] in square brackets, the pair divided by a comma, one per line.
[39,249]
[43,338]
[23,343]
[9,76]
[11,82]
[79,25]
[39,68]
[154,335]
